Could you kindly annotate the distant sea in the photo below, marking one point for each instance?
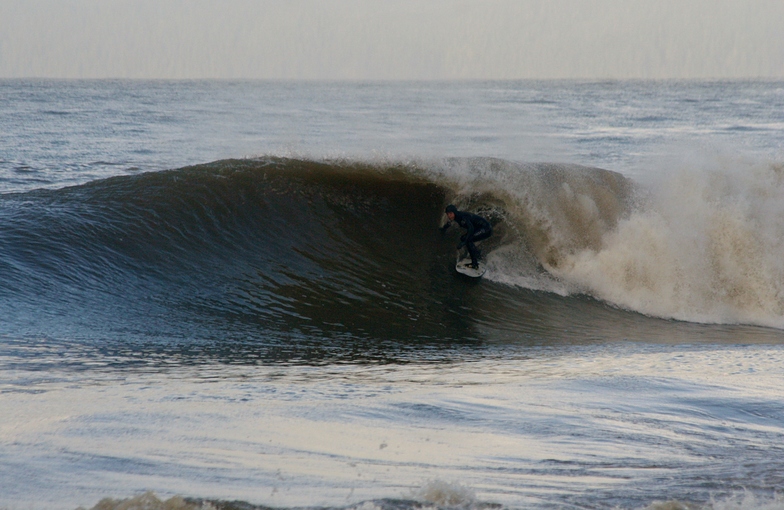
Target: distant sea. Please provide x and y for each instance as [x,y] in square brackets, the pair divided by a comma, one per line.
[220,294]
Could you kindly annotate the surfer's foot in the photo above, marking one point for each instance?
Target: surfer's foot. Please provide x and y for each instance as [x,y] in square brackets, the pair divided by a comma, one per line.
[473,265]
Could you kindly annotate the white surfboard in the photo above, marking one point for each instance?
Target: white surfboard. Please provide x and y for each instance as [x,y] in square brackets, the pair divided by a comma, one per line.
[463,267]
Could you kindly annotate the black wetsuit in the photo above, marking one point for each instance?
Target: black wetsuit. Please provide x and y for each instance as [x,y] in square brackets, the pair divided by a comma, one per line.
[477,228]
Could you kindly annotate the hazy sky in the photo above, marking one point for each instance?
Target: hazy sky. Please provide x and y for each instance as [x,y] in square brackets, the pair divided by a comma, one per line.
[392,39]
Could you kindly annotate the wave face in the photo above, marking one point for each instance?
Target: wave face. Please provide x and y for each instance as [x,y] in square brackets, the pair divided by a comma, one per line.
[275,249]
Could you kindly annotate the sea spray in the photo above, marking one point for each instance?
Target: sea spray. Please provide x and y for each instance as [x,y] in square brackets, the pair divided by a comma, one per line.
[704,247]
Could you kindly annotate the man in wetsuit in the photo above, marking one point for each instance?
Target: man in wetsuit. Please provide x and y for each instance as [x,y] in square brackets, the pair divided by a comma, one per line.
[477,228]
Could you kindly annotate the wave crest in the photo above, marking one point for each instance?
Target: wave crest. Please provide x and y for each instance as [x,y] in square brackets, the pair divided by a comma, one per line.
[342,247]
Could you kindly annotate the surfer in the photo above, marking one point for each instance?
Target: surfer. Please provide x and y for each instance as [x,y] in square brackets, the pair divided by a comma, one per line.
[477,228]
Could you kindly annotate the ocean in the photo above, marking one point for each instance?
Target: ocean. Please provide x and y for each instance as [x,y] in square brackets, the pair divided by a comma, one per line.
[235,295]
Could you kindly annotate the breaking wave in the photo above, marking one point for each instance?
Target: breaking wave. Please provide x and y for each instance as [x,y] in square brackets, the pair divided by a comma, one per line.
[346,248]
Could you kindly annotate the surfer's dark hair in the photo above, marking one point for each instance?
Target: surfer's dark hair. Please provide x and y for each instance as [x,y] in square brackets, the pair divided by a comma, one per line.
[451,208]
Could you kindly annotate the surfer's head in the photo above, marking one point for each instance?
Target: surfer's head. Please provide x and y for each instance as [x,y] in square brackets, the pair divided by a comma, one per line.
[450,212]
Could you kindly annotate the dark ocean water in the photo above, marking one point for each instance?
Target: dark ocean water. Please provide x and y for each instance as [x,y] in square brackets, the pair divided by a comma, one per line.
[239,292]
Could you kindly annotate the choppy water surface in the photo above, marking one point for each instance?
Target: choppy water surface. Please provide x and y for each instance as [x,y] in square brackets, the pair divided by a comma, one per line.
[590,425]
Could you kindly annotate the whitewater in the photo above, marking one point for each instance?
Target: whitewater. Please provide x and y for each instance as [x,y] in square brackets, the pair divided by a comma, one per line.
[236,295]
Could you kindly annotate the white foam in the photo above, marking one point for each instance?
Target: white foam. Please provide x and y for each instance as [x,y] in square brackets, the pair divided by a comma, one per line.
[445,494]
[149,501]
[706,246]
